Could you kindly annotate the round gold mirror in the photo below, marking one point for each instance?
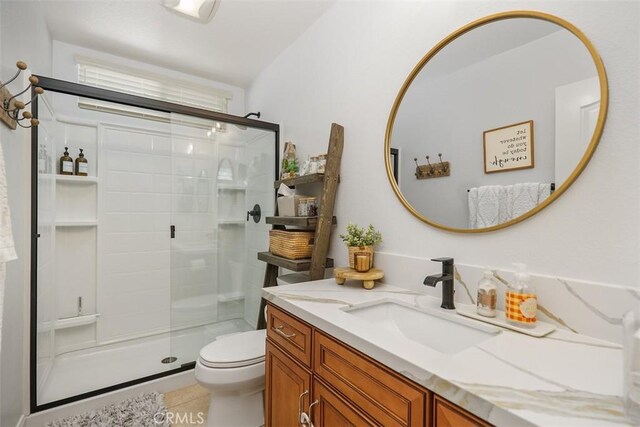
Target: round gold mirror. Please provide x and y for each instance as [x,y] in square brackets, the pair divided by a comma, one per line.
[496,122]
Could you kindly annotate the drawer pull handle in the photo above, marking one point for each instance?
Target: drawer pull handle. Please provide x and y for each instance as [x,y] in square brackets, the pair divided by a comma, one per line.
[279,330]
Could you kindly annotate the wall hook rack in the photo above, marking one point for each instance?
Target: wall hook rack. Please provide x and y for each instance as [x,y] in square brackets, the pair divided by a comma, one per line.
[10,106]
[436,170]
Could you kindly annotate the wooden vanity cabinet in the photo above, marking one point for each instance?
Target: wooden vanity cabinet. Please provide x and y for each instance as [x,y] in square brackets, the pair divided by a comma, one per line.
[309,371]
[446,414]
[378,391]
[331,410]
[288,387]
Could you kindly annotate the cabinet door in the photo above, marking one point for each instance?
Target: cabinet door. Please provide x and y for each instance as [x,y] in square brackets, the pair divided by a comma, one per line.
[446,414]
[286,384]
[333,411]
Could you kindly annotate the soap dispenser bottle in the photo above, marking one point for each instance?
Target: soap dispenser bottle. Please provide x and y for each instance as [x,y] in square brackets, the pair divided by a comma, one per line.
[521,302]
[82,166]
[487,294]
[66,163]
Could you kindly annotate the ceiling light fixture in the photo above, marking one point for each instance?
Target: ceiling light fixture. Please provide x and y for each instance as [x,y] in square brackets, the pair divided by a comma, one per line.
[197,10]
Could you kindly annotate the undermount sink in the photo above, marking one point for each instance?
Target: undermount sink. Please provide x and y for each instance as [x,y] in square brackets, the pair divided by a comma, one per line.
[442,333]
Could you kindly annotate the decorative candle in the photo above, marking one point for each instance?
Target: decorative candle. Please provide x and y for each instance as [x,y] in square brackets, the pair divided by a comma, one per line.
[362,262]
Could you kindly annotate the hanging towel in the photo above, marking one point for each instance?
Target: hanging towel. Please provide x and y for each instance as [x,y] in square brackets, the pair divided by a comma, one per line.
[7,249]
[486,206]
[495,204]
[521,198]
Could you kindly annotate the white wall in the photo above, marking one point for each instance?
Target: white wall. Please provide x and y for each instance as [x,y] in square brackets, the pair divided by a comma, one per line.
[436,116]
[24,36]
[348,67]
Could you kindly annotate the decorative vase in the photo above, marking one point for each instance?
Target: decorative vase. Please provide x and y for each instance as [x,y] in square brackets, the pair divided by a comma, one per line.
[354,249]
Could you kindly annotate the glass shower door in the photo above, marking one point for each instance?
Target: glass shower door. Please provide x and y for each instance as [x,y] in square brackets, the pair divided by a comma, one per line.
[219,172]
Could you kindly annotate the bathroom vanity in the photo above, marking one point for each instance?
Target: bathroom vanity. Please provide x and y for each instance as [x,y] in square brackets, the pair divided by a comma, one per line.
[348,356]
[345,386]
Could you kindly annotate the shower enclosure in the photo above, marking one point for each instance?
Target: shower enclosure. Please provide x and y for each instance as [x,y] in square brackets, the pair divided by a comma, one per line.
[152,255]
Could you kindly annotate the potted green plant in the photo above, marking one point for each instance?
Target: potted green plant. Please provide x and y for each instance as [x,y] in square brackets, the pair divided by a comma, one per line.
[290,168]
[360,239]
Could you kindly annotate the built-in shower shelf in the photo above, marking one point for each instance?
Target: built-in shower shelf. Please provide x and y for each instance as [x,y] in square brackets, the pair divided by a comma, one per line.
[72,179]
[231,187]
[64,224]
[231,296]
[72,322]
[232,221]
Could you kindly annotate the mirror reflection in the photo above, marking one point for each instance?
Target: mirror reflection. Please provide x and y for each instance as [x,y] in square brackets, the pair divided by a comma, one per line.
[495,122]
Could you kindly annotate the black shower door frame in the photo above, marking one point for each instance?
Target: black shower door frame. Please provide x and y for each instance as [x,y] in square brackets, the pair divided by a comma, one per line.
[75,89]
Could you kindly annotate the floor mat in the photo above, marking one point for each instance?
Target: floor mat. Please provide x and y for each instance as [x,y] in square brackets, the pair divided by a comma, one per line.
[145,410]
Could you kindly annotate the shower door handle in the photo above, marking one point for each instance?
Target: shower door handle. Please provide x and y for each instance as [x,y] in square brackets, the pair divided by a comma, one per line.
[173,231]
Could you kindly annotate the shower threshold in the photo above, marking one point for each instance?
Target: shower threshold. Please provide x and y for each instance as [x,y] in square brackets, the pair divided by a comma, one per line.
[83,371]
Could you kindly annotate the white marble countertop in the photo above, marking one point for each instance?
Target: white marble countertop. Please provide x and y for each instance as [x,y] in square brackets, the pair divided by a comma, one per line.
[511,379]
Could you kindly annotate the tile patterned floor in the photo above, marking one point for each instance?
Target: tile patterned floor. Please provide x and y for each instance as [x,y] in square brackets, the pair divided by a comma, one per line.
[187,407]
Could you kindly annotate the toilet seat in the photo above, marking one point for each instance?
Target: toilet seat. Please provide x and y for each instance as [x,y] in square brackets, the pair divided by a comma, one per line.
[235,351]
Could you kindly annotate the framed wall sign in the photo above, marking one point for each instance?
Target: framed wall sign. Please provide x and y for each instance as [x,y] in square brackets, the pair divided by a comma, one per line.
[509,148]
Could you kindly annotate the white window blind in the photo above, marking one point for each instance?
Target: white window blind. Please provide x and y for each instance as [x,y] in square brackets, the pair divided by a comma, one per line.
[135,82]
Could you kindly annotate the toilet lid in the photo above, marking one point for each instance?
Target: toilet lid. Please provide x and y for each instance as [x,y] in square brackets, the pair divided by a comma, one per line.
[234,351]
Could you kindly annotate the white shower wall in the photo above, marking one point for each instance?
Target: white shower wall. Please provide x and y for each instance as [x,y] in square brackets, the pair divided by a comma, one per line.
[150,177]
[134,293]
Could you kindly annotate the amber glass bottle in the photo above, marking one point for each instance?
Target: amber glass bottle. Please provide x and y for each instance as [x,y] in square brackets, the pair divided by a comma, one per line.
[82,166]
[66,163]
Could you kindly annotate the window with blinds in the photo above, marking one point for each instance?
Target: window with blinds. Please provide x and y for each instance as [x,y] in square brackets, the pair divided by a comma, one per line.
[133,82]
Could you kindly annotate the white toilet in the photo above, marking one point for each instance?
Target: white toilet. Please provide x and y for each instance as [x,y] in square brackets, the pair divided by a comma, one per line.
[232,368]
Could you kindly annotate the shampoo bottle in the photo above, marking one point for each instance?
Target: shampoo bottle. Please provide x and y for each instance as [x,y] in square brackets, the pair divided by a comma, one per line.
[487,294]
[66,163]
[82,166]
[521,302]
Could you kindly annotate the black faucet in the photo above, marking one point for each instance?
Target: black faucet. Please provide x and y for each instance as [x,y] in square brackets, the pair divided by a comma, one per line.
[447,282]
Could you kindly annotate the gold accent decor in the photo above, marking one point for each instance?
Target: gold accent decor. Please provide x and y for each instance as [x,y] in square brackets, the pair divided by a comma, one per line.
[604,102]
[354,249]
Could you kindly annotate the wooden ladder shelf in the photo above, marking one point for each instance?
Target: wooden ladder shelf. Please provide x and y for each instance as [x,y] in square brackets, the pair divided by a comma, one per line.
[322,224]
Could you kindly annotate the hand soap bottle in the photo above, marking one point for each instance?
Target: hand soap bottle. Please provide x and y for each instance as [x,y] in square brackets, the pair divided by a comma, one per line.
[66,163]
[521,302]
[487,294]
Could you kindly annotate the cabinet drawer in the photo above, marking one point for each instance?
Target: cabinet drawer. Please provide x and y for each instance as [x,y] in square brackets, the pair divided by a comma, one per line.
[376,390]
[446,414]
[290,334]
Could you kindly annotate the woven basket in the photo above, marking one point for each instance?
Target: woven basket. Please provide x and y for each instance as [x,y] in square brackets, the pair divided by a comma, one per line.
[291,244]
[354,249]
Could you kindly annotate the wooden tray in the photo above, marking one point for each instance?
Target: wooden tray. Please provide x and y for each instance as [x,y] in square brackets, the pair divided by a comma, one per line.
[344,273]
[539,330]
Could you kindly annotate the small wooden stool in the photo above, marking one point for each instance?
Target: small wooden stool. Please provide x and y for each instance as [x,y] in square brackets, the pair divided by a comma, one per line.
[344,273]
